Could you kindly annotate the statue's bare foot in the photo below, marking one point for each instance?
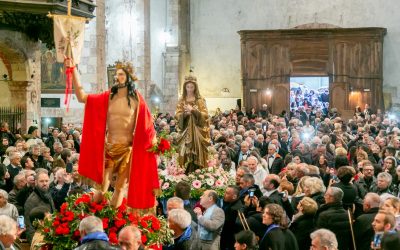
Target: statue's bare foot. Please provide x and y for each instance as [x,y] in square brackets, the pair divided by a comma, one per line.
[98,196]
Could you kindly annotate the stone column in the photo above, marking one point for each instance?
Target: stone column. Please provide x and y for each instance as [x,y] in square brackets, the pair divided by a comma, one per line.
[101,45]
[171,80]
[171,60]
[20,97]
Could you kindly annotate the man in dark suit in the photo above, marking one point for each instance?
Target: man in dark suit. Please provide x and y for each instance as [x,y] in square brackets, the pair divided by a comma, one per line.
[261,145]
[52,139]
[247,184]
[243,153]
[274,160]
[13,169]
[270,189]
[367,110]
[363,231]
[232,204]
[332,216]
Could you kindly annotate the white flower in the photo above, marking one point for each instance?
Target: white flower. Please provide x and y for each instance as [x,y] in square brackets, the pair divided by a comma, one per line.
[210,182]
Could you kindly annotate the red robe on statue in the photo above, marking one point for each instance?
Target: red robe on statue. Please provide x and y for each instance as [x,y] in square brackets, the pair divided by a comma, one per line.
[143,177]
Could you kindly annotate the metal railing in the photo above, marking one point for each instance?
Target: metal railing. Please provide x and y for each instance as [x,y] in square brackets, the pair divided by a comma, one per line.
[13,116]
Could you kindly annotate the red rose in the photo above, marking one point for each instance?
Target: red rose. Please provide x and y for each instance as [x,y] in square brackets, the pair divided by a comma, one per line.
[164,145]
[133,219]
[120,223]
[63,207]
[65,230]
[113,238]
[56,223]
[83,199]
[105,223]
[59,230]
[46,230]
[68,216]
[144,239]
[77,233]
[122,208]
[155,247]
[155,224]
[143,223]
[113,229]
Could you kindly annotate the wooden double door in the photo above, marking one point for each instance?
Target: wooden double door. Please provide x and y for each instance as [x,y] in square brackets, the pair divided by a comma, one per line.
[351,58]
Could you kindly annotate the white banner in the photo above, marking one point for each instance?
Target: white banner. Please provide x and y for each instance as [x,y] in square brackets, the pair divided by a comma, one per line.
[68,29]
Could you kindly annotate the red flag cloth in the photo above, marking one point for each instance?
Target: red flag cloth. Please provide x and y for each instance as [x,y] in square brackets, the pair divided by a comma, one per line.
[143,178]
[68,88]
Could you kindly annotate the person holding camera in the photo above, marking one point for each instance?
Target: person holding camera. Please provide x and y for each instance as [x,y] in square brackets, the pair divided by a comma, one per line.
[232,206]
[383,222]
[60,190]
[248,187]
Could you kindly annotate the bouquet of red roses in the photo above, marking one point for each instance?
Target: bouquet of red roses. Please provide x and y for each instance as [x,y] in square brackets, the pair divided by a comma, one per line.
[163,146]
[61,229]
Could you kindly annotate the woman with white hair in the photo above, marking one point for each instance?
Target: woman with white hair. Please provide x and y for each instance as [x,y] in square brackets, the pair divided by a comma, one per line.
[7,208]
[8,232]
[315,189]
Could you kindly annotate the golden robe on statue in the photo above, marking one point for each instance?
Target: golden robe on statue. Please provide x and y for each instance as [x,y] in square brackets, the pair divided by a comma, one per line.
[194,134]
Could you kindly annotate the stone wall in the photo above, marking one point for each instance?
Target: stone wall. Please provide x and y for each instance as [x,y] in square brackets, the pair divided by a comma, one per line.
[215,44]
[20,58]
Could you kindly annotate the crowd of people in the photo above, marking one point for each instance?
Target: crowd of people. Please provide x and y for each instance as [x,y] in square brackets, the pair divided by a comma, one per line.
[308,98]
[304,179]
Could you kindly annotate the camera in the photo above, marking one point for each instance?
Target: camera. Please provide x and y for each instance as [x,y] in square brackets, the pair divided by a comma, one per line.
[377,240]
[69,168]
[21,221]
[251,192]
[282,194]
[335,178]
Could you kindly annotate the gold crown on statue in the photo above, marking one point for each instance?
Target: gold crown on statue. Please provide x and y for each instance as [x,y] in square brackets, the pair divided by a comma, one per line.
[190,77]
[128,66]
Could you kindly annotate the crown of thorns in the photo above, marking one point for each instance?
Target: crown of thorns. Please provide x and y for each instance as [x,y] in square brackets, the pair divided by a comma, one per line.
[128,66]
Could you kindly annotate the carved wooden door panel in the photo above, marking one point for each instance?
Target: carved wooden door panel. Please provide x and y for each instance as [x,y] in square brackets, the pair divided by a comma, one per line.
[280,98]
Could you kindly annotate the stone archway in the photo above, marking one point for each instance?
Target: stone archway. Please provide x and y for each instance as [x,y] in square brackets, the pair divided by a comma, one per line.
[20,60]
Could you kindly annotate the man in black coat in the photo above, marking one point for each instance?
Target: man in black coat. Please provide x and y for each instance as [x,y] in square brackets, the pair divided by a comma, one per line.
[363,231]
[13,169]
[39,197]
[271,184]
[243,153]
[6,133]
[274,160]
[185,234]
[232,204]
[332,216]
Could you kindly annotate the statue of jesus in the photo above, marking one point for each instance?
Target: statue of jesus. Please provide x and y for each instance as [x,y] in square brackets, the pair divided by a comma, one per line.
[117,132]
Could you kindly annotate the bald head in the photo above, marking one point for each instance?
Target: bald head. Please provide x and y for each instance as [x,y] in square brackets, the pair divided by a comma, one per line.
[129,238]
